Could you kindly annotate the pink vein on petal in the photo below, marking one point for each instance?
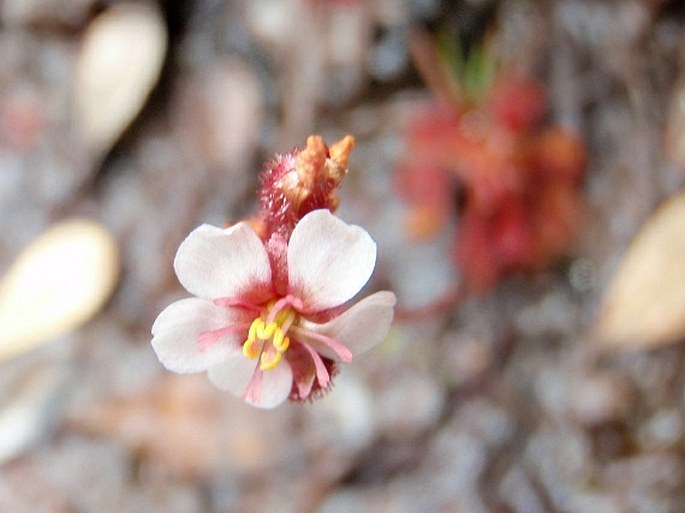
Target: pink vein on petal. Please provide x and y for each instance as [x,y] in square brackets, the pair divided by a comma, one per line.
[236,303]
[340,349]
[253,391]
[208,339]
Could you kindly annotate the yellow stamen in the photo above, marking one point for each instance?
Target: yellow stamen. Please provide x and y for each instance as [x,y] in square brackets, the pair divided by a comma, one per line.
[285,316]
[266,332]
[252,334]
[268,340]
[250,349]
[269,360]
[280,341]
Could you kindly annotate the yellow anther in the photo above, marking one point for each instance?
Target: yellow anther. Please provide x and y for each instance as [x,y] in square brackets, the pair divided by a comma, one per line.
[269,360]
[285,316]
[252,334]
[280,341]
[268,340]
[251,349]
[266,332]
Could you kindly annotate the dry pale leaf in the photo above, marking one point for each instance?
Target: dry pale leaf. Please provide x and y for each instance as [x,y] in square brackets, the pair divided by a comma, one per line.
[31,393]
[220,109]
[58,282]
[644,305]
[119,63]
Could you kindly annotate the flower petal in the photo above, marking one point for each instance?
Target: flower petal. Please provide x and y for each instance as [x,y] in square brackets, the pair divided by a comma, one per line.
[235,373]
[276,386]
[359,328]
[212,263]
[177,329]
[329,261]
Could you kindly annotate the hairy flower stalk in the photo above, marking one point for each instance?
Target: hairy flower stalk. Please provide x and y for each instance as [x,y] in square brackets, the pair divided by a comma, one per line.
[294,184]
[269,320]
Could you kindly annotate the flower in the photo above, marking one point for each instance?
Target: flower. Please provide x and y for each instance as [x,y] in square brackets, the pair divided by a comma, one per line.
[268,322]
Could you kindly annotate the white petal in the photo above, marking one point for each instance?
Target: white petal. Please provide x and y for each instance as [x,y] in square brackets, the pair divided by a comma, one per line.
[329,261]
[359,328]
[276,386]
[235,373]
[176,331]
[213,263]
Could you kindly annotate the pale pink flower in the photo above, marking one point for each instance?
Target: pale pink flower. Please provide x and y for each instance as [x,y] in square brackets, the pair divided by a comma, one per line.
[268,323]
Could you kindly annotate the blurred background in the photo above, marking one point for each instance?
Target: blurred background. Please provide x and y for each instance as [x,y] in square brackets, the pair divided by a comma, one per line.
[519,164]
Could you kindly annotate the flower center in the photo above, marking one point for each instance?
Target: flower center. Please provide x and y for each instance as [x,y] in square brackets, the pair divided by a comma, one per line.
[267,337]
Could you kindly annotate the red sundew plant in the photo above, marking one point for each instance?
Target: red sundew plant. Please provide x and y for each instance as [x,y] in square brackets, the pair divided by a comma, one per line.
[483,139]
[270,319]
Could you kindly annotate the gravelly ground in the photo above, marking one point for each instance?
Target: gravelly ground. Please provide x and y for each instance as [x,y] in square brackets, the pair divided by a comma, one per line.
[496,407]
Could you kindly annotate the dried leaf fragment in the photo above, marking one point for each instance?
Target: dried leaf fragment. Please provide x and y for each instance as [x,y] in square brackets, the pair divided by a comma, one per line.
[119,63]
[30,394]
[644,305]
[58,282]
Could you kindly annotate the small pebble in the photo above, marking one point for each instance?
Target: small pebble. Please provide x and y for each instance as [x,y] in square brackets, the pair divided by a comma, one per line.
[600,399]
